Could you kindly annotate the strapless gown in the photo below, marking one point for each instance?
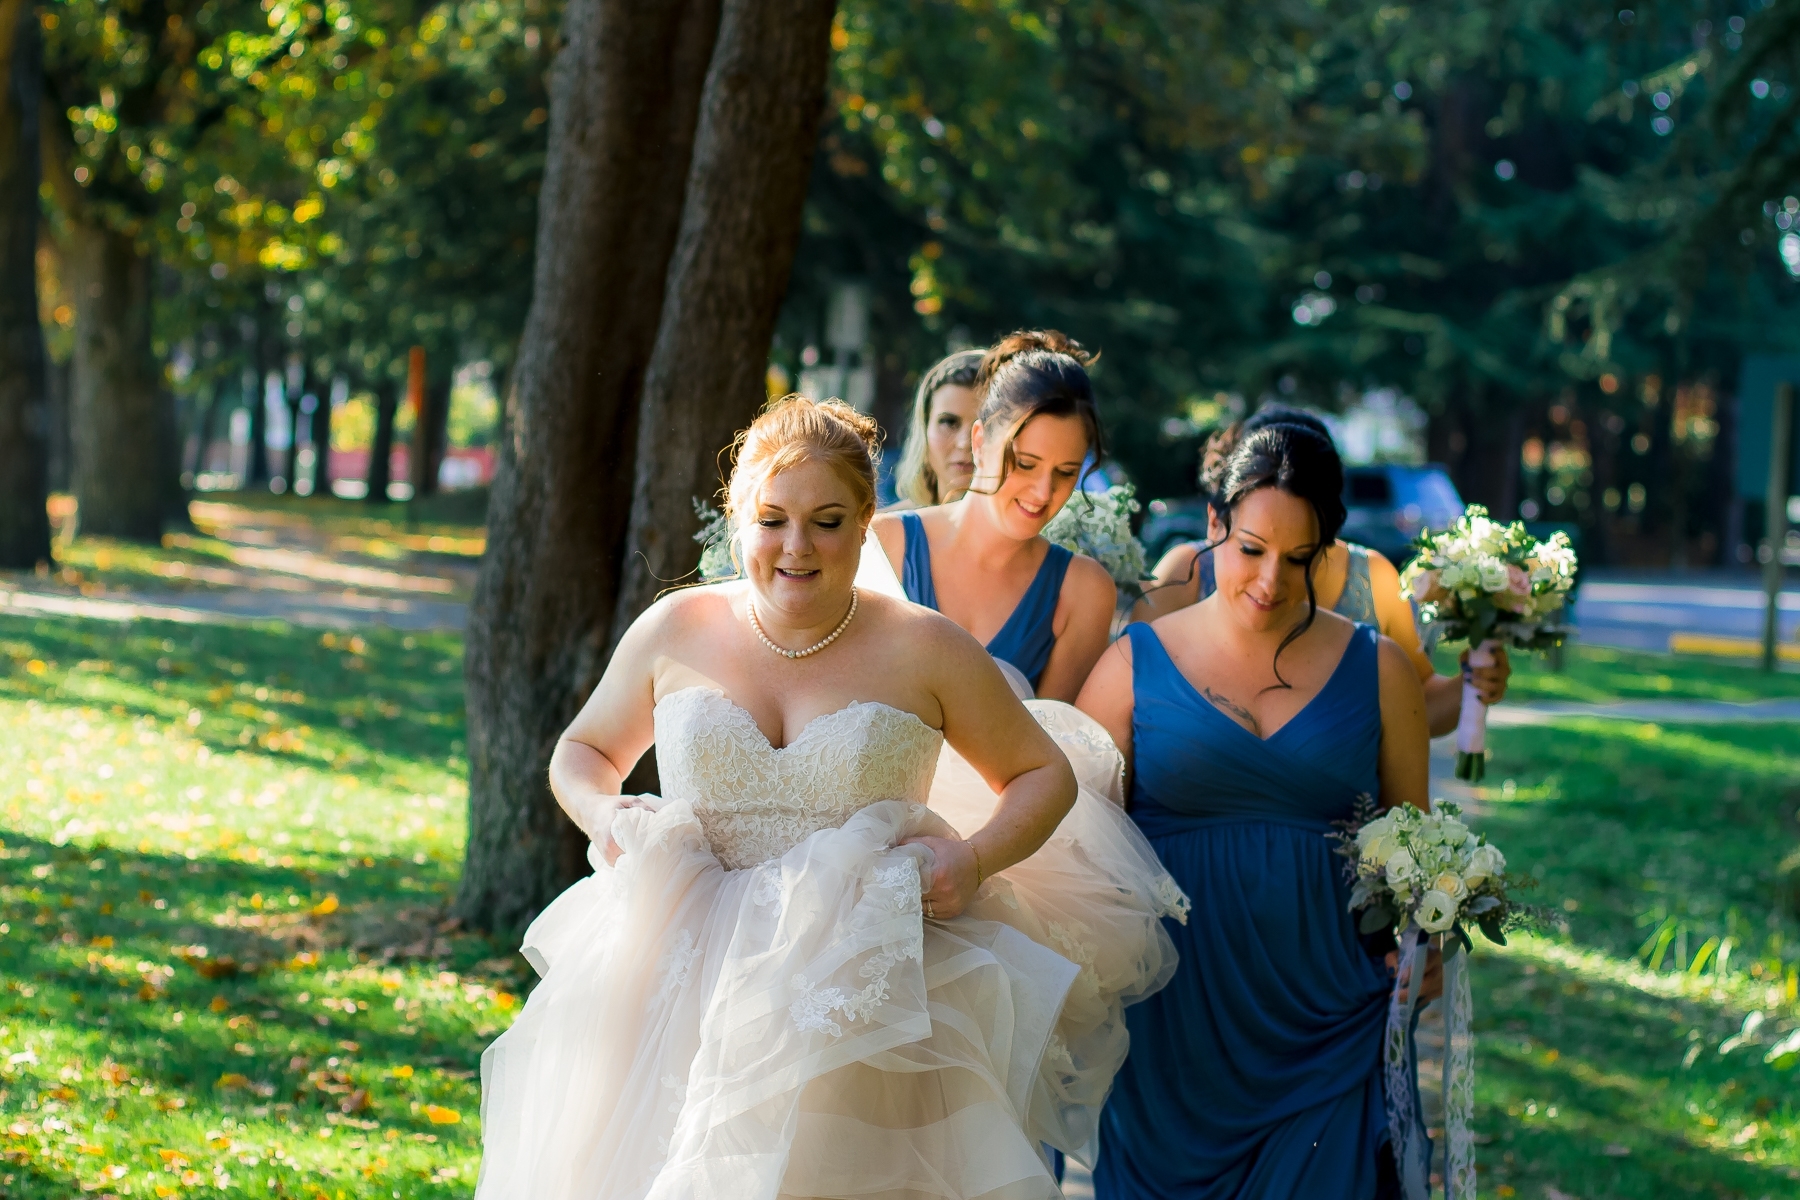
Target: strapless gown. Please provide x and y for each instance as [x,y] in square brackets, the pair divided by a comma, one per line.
[750,1003]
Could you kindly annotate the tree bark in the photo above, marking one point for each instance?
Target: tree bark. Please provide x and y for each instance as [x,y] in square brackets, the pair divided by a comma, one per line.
[626,97]
[740,224]
[24,412]
[429,430]
[127,469]
[321,439]
[381,453]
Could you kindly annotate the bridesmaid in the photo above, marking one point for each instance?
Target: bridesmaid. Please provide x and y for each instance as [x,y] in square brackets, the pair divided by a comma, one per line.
[1351,580]
[982,561]
[1251,721]
[936,465]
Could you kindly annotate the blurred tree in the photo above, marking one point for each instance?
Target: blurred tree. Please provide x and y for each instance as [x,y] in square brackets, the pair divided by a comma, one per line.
[24,415]
[680,137]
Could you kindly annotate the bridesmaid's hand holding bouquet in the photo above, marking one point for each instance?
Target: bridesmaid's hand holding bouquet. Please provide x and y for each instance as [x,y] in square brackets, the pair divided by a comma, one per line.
[1490,585]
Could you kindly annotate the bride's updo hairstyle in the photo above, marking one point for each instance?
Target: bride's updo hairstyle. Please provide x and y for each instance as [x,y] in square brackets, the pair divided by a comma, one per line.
[1301,461]
[794,430]
[1036,373]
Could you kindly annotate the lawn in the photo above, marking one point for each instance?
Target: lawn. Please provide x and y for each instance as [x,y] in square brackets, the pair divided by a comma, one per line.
[225,855]
[1599,674]
[225,863]
[1644,1050]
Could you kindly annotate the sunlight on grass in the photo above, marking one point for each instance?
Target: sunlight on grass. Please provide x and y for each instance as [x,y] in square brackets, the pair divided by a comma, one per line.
[224,865]
[1648,1048]
[1602,675]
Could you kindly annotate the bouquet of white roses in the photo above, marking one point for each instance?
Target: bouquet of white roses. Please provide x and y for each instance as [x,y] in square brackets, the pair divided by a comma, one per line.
[1427,871]
[1428,875]
[1489,585]
[1098,524]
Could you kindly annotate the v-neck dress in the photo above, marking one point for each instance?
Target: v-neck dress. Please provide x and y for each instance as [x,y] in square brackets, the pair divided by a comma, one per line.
[1255,1075]
[1029,635]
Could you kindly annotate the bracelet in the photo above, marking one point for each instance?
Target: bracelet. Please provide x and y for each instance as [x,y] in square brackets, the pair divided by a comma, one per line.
[980,875]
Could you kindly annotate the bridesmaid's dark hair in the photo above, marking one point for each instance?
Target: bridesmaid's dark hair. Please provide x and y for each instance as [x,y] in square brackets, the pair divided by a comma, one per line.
[1301,461]
[1036,372]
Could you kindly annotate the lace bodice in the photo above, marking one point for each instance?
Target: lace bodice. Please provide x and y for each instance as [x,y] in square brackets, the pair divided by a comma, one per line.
[757,802]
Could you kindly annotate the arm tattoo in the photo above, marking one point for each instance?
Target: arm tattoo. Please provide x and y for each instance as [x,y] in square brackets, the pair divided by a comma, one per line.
[1241,713]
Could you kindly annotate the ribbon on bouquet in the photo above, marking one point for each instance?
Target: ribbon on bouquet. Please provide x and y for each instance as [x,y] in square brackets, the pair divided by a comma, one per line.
[1406,1131]
[1471,725]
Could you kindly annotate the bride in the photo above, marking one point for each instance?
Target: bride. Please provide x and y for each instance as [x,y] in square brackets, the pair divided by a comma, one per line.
[789,976]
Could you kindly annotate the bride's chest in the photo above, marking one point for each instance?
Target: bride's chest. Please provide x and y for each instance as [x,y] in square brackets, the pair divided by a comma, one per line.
[711,752]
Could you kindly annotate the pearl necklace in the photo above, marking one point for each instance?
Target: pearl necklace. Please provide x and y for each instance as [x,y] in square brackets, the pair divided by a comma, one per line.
[813,649]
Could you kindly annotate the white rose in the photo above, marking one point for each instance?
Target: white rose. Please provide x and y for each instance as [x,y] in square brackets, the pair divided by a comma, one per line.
[1452,831]
[1400,865]
[1437,912]
[1451,884]
[1494,576]
[1485,862]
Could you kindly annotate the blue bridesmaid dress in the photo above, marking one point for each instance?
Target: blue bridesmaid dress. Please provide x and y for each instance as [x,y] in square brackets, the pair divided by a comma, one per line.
[1027,638]
[1256,1074]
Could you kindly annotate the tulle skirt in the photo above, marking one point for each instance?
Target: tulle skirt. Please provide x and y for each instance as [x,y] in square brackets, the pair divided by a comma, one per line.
[798,1029]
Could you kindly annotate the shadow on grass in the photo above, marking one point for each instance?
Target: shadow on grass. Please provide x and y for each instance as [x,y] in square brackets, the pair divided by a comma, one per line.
[172,970]
[1590,1088]
[337,702]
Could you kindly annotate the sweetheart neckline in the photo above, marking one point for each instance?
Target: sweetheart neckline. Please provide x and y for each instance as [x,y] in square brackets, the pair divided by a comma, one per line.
[804,729]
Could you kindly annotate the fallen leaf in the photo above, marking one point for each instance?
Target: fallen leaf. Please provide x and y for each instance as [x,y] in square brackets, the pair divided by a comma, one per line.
[439,1115]
[231,1079]
[325,907]
[219,1004]
[403,1072]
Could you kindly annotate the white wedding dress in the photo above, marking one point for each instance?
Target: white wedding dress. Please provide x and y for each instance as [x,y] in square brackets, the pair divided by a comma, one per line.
[750,1005]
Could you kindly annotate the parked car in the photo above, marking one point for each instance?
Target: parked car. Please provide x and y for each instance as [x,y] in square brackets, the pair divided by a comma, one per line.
[1387,505]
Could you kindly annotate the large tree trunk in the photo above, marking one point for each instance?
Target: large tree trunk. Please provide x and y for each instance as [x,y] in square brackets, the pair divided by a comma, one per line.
[24,414]
[122,421]
[626,95]
[759,122]
[430,429]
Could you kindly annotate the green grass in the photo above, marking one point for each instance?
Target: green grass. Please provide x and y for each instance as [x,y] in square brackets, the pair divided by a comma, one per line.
[224,864]
[1604,1063]
[1601,675]
[293,803]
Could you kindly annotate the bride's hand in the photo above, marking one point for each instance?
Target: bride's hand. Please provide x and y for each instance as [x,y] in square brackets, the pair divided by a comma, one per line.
[953,880]
[610,849]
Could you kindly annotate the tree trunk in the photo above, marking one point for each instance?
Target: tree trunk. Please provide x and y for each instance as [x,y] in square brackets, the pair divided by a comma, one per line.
[381,453]
[127,472]
[625,97]
[759,122]
[61,455]
[429,430]
[321,439]
[24,413]
[256,468]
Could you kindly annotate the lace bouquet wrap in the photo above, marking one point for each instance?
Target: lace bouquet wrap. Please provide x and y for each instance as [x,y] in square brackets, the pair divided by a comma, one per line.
[1428,876]
[1489,585]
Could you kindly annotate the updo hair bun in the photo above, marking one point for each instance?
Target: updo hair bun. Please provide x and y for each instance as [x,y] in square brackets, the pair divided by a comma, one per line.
[1032,373]
[796,429]
[1028,341]
[1295,458]
[1223,441]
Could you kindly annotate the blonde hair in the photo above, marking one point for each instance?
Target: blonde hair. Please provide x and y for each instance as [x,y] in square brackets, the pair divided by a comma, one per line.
[913,478]
[793,430]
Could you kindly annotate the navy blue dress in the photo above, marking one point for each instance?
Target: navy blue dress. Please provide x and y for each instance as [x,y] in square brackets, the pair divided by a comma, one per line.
[1256,1074]
[1027,638]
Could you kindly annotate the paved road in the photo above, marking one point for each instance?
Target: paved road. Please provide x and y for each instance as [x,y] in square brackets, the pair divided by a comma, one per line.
[1641,614]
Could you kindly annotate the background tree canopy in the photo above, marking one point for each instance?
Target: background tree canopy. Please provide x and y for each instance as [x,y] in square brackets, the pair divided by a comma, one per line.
[1557,227]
